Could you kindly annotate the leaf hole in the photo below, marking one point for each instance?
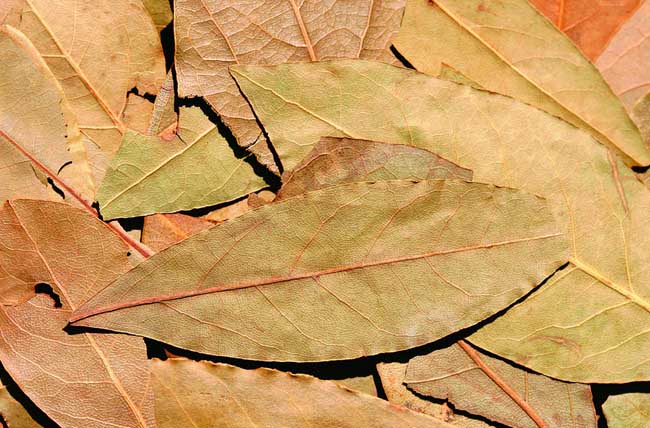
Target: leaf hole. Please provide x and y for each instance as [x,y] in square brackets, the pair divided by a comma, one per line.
[47,289]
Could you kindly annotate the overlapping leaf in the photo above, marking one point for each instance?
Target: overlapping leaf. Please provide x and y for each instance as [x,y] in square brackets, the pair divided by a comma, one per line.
[509,48]
[328,291]
[589,23]
[510,144]
[190,393]
[67,375]
[627,410]
[392,378]
[12,413]
[196,169]
[486,386]
[626,60]
[214,34]
[98,51]
[163,230]
[344,160]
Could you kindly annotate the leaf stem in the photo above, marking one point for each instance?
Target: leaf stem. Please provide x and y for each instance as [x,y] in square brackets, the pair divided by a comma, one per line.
[502,384]
[87,205]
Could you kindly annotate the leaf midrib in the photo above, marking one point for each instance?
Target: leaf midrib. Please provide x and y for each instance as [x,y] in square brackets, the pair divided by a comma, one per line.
[492,49]
[314,274]
[82,76]
[114,379]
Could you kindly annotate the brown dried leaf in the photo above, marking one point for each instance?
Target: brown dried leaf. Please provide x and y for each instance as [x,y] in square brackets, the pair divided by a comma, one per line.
[345,160]
[164,230]
[200,394]
[211,35]
[486,386]
[12,413]
[392,378]
[589,23]
[66,375]
[625,63]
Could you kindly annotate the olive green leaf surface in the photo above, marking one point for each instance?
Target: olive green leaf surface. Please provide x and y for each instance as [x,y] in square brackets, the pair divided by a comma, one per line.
[508,143]
[339,273]
[160,11]
[483,385]
[12,413]
[344,160]
[98,51]
[626,60]
[214,34]
[200,394]
[198,168]
[65,375]
[631,410]
[392,378]
[508,47]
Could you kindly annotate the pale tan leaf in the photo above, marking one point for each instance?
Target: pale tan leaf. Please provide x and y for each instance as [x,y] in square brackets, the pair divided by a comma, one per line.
[98,51]
[507,47]
[67,375]
[197,169]
[392,378]
[627,410]
[625,63]
[200,394]
[589,23]
[482,385]
[163,230]
[214,34]
[344,160]
[315,277]
[510,144]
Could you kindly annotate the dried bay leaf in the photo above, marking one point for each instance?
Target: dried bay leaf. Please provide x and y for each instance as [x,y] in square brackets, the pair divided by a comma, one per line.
[590,24]
[190,393]
[323,269]
[98,51]
[626,60]
[33,126]
[510,144]
[627,410]
[197,169]
[344,160]
[509,48]
[13,413]
[214,34]
[486,386]
[160,11]
[163,230]
[392,377]
[67,375]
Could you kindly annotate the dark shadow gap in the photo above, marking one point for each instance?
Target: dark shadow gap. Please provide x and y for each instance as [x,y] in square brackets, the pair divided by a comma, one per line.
[261,170]
[640,169]
[55,188]
[405,62]
[47,289]
[37,414]
[168,44]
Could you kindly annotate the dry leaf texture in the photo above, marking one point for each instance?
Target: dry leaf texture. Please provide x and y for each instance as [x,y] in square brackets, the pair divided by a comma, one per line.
[507,47]
[190,393]
[163,230]
[482,385]
[627,410]
[319,276]
[67,375]
[510,144]
[211,35]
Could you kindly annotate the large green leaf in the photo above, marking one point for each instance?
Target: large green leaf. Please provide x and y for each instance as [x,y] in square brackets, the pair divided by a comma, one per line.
[339,273]
[506,46]
[200,394]
[197,169]
[508,143]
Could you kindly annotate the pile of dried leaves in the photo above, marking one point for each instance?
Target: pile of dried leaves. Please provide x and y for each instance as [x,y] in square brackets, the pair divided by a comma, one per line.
[434,211]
